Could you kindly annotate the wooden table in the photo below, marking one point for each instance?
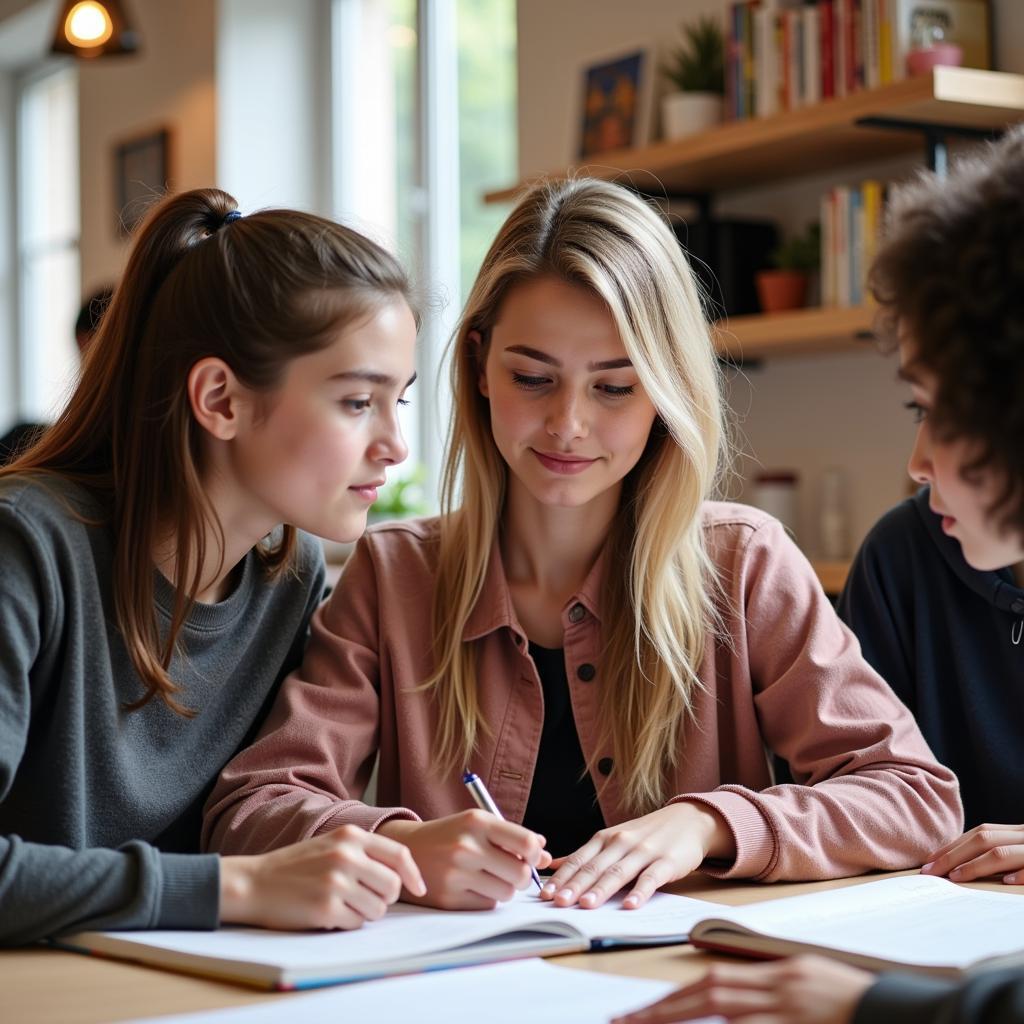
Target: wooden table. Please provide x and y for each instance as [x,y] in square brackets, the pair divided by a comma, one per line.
[46,986]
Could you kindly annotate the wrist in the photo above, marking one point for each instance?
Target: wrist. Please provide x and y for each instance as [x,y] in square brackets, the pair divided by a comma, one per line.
[715,835]
[399,829]
[236,888]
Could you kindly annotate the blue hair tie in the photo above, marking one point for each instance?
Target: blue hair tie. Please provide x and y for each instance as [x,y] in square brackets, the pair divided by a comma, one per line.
[232,215]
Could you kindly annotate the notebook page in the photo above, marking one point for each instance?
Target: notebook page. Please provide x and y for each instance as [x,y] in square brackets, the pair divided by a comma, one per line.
[520,992]
[409,931]
[918,919]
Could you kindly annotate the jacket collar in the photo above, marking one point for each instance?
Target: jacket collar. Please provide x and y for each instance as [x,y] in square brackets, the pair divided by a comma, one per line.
[494,609]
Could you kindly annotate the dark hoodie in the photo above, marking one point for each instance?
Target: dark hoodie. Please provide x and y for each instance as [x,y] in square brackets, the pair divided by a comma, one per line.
[949,641]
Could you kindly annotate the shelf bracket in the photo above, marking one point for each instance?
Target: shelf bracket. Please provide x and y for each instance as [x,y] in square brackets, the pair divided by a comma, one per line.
[935,135]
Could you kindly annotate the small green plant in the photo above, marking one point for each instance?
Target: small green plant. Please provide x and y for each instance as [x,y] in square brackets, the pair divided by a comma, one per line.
[402,497]
[698,64]
[800,252]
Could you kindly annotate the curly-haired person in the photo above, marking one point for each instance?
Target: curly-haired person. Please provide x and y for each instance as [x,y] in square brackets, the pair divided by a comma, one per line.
[936,594]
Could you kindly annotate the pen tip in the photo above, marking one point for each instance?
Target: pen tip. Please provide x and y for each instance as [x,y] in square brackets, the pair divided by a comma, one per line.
[468,776]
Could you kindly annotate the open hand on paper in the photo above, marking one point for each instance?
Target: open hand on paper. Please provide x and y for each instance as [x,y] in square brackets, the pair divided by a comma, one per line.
[651,851]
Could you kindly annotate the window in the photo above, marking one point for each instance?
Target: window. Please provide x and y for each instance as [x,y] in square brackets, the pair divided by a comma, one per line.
[48,231]
[424,100]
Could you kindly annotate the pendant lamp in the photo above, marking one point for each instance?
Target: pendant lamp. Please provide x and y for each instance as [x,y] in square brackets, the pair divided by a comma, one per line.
[91,28]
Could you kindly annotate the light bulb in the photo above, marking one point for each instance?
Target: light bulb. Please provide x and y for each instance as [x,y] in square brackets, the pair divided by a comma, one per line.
[88,24]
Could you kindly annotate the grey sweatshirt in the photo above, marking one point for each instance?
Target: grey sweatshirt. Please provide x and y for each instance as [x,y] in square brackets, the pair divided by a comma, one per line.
[100,808]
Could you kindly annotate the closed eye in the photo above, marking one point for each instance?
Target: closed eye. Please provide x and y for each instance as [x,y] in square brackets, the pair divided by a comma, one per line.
[527,383]
[613,391]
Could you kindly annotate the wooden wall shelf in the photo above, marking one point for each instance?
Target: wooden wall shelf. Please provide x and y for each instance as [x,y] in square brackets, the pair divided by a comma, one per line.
[832,575]
[797,332]
[817,138]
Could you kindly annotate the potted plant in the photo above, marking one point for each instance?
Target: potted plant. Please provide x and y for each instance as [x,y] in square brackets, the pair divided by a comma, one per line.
[696,71]
[785,287]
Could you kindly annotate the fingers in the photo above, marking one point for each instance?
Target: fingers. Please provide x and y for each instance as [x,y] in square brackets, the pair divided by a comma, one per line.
[1000,860]
[972,835]
[568,868]
[973,845]
[398,859]
[649,882]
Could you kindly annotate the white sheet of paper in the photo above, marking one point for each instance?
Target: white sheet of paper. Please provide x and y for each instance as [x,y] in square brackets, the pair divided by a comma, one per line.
[520,992]
[917,919]
[410,931]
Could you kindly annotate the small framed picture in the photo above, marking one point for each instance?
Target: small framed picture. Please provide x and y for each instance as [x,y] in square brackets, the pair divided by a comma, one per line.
[141,176]
[616,102]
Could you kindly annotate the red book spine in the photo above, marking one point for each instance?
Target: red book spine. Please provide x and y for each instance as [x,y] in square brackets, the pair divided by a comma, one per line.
[828,68]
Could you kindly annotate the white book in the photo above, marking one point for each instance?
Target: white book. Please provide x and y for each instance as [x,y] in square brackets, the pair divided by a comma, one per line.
[916,923]
[767,72]
[812,54]
[407,939]
[525,992]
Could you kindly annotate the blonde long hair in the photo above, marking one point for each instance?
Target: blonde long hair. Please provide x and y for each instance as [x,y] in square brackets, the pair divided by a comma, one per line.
[659,611]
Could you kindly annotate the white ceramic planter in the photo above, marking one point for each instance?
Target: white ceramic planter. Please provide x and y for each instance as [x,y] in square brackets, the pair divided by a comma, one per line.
[686,113]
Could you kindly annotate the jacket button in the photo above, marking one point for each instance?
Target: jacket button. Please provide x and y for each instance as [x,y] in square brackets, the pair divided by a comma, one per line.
[576,612]
[1017,607]
[586,672]
[605,765]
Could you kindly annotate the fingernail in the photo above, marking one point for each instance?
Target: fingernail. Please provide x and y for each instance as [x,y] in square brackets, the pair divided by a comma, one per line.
[630,901]
[566,894]
[1010,879]
[548,889]
[588,898]
[955,873]
[927,867]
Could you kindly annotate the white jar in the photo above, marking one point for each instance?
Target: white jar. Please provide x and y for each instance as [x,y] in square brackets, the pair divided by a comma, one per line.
[775,492]
[835,543]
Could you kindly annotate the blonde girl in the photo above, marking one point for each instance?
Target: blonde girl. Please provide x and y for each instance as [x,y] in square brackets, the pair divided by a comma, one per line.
[611,651]
[155,587]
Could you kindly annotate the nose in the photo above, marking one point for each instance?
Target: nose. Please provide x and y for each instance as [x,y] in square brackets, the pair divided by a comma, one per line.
[567,416]
[388,446]
[919,466]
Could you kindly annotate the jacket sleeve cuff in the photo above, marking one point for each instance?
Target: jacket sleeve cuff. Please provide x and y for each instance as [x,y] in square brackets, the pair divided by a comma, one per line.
[189,891]
[902,999]
[366,817]
[753,836]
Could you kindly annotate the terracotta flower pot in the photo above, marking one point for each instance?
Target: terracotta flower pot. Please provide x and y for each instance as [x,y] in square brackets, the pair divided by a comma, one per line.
[781,289]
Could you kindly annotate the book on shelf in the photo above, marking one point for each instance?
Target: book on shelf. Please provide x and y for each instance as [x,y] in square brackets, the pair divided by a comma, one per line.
[916,923]
[851,227]
[784,54]
[406,940]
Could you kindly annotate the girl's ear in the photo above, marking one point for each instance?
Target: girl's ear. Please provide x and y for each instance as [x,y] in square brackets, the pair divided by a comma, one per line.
[216,397]
[476,349]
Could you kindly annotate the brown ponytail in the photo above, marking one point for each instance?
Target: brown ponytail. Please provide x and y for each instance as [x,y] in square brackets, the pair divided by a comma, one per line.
[256,292]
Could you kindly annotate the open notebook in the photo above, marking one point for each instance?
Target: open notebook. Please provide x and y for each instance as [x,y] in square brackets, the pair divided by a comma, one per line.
[405,940]
[916,922]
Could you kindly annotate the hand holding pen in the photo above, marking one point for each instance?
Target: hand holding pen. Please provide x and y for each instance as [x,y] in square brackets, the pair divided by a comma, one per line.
[483,800]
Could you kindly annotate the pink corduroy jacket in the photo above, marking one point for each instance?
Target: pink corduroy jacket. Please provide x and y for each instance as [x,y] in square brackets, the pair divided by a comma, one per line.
[791,680]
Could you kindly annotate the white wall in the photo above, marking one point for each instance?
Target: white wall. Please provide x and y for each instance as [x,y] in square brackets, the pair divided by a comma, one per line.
[273,92]
[808,413]
[8,256]
[169,83]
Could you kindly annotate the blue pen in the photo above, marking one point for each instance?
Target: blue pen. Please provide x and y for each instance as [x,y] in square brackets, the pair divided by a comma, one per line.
[483,800]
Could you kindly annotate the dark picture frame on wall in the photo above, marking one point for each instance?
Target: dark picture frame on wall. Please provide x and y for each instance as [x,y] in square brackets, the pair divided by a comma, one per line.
[141,176]
[616,101]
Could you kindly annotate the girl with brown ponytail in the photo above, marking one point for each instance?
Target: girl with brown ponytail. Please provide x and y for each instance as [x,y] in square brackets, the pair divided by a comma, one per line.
[155,582]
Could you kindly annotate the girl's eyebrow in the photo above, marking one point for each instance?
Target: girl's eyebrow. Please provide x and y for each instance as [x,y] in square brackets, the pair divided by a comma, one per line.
[543,357]
[371,377]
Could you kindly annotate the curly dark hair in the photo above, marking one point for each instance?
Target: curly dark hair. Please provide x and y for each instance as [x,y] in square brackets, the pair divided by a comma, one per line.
[950,274]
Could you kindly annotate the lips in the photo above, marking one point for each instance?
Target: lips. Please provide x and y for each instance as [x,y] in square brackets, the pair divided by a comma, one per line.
[368,492]
[563,463]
